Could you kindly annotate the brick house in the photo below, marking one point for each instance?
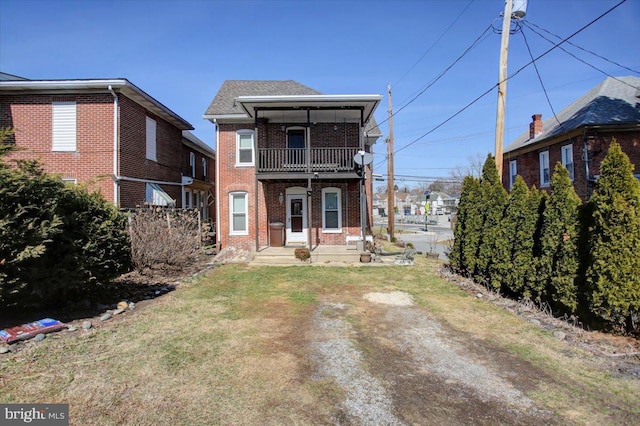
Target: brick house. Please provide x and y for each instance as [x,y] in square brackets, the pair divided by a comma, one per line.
[579,138]
[198,171]
[108,134]
[286,169]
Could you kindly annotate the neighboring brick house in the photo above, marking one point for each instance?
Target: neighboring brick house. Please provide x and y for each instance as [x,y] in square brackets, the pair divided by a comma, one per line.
[285,154]
[579,138]
[106,133]
[198,171]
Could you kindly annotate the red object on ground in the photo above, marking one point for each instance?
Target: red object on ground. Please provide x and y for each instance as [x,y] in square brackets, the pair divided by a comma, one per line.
[27,331]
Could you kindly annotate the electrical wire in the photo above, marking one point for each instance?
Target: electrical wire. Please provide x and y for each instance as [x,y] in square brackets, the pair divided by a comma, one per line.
[435,42]
[528,24]
[585,62]
[544,89]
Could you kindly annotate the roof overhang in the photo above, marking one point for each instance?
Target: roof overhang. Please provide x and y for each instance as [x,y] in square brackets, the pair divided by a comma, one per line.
[318,108]
[120,85]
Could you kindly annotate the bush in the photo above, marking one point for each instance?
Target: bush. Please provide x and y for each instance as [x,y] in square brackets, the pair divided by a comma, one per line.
[56,242]
[163,238]
[613,276]
[302,254]
[468,226]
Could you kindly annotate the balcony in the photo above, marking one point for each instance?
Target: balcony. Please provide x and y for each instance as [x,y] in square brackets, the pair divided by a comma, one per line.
[294,160]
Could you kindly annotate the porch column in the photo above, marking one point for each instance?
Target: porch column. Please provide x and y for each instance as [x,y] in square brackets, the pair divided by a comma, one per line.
[309,215]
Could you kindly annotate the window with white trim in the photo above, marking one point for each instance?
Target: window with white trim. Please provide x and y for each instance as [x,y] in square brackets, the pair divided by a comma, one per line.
[244,148]
[567,159]
[331,210]
[238,214]
[204,168]
[513,172]
[64,126]
[151,139]
[192,164]
[545,173]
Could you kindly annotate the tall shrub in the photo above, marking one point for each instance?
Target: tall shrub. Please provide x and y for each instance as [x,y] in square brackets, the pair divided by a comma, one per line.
[493,202]
[468,227]
[536,204]
[514,252]
[613,274]
[559,258]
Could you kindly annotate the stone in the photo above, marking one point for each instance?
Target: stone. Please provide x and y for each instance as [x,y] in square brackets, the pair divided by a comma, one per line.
[86,325]
[72,328]
[105,317]
[122,305]
[4,350]
[39,337]
[559,334]
[479,295]
[132,306]
[118,311]
[535,321]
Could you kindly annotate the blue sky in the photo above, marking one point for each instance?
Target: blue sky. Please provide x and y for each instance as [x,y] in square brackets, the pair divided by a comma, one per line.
[180,52]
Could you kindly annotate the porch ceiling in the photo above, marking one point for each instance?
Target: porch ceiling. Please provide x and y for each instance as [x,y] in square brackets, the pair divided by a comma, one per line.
[301,178]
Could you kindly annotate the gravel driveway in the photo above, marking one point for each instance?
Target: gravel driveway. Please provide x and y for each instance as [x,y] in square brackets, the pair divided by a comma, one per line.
[414,370]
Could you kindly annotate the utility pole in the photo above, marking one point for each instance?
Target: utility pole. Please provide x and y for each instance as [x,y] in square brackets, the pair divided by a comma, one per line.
[502,84]
[390,192]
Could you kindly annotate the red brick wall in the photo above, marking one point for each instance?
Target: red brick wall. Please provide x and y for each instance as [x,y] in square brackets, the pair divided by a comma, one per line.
[91,163]
[598,144]
[133,161]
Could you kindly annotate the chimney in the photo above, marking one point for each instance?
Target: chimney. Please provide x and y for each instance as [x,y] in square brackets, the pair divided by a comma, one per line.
[535,128]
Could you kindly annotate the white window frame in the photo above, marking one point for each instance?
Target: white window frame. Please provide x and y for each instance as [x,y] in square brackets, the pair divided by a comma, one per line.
[513,172]
[232,213]
[64,126]
[204,168]
[151,131]
[544,164]
[239,134]
[192,164]
[567,159]
[326,230]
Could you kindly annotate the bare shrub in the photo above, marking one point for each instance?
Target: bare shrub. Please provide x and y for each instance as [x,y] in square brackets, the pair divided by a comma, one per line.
[163,238]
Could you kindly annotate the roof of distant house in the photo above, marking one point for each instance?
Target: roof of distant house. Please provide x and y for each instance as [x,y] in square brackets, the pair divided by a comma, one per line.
[8,77]
[615,101]
[226,103]
[96,85]
[198,143]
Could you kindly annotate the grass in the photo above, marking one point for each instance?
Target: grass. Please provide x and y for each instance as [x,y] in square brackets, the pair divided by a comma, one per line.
[228,347]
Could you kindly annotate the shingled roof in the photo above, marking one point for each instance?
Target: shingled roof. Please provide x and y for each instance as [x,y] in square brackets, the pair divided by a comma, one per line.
[224,102]
[615,101]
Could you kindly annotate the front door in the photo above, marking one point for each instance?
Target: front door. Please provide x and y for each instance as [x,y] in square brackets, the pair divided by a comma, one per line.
[296,218]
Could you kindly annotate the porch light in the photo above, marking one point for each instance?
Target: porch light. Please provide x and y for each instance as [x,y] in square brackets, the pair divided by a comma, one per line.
[280,198]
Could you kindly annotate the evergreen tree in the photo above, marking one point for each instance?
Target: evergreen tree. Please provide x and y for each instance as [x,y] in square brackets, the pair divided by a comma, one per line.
[537,204]
[493,202]
[559,257]
[613,274]
[514,249]
[467,229]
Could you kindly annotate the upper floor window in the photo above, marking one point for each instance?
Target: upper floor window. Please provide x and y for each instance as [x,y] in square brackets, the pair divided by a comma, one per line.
[513,172]
[192,164]
[331,210]
[204,168]
[567,159]
[244,148]
[238,213]
[545,174]
[64,126]
[151,139]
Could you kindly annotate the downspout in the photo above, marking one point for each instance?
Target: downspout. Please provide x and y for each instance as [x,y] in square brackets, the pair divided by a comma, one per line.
[217,183]
[116,171]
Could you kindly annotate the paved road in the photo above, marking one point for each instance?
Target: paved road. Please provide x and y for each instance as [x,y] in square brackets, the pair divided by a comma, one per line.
[425,241]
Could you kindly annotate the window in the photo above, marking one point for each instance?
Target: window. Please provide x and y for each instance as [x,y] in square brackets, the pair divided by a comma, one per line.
[192,164]
[544,169]
[64,126]
[331,210]
[151,139]
[244,148]
[238,217]
[567,159]
[513,172]
[204,169]
[155,196]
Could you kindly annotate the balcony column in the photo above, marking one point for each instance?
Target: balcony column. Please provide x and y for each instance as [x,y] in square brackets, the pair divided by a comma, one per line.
[307,136]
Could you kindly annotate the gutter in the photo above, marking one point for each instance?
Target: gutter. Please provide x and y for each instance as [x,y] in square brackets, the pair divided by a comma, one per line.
[117,178]
[116,139]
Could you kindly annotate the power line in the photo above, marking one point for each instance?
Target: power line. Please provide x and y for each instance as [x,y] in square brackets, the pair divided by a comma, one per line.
[528,24]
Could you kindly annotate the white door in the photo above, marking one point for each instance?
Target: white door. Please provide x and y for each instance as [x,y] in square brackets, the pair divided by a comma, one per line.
[296,228]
